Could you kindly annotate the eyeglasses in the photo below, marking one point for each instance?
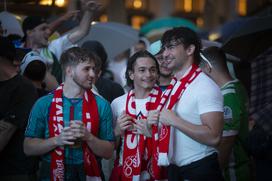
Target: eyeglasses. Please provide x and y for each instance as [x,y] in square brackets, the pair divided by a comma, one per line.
[170,46]
[206,59]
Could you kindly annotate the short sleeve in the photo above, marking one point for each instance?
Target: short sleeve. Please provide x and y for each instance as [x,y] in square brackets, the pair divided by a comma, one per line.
[105,118]
[38,118]
[210,99]
[231,115]
[58,46]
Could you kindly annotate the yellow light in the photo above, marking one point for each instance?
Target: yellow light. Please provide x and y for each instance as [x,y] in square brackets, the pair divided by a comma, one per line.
[242,7]
[188,5]
[214,36]
[137,4]
[104,18]
[46,2]
[137,21]
[60,3]
[200,22]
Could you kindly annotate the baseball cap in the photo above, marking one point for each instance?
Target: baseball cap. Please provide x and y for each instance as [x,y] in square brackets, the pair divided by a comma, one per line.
[30,57]
[31,22]
[155,47]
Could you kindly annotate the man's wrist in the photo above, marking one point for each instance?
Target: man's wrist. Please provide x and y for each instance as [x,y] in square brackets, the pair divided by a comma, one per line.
[55,141]
[89,138]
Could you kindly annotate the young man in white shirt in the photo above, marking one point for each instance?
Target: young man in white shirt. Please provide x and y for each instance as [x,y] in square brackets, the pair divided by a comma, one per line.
[196,115]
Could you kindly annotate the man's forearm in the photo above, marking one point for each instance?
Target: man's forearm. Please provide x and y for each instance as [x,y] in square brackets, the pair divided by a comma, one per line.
[224,150]
[83,28]
[100,147]
[37,146]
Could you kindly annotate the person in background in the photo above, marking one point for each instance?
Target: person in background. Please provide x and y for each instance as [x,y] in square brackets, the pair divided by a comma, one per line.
[119,64]
[1,29]
[166,74]
[17,96]
[106,87]
[192,119]
[260,136]
[33,67]
[141,45]
[37,32]
[232,155]
[71,126]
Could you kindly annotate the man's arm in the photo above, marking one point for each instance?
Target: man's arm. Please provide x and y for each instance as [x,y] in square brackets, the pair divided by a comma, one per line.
[90,9]
[39,146]
[209,133]
[22,100]
[100,147]
[6,132]
[56,23]
[224,150]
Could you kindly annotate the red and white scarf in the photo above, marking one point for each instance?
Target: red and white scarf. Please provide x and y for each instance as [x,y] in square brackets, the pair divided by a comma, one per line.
[90,118]
[137,152]
[170,96]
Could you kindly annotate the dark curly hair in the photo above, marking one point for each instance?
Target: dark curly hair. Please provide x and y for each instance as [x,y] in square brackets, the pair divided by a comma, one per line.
[186,36]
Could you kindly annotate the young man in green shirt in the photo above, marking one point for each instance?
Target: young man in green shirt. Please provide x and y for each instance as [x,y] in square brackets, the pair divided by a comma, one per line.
[232,155]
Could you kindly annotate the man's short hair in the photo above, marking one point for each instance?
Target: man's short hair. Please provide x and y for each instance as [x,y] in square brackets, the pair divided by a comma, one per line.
[217,58]
[183,35]
[7,48]
[77,55]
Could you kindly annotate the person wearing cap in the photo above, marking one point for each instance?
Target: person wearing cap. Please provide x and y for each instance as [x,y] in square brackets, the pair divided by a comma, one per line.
[17,95]
[165,73]
[33,67]
[232,154]
[36,37]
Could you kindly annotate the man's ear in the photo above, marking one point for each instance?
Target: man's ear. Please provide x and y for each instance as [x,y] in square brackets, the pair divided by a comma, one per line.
[68,70]
[131,75]
[208,68]
[190,50]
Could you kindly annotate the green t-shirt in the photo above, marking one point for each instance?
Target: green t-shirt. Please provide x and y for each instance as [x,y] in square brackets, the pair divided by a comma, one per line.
[236,123]
[38,123]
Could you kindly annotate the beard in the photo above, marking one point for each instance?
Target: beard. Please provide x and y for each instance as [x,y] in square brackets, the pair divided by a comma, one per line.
[80,84]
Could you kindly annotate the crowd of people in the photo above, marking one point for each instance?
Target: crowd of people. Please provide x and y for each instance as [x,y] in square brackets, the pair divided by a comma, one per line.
[180,116]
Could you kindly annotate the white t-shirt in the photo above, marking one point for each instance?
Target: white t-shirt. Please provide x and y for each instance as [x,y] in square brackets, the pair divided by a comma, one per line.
[118,106]
[59,45]
[118,68]
[200,97]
